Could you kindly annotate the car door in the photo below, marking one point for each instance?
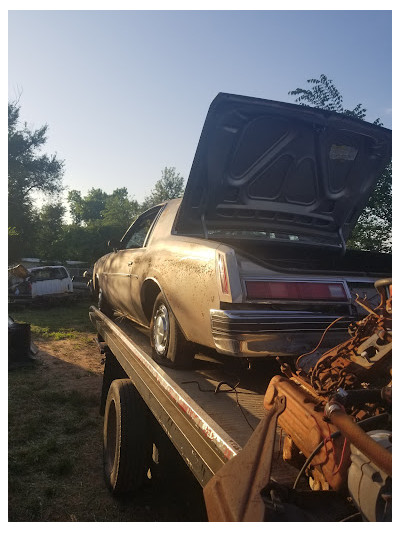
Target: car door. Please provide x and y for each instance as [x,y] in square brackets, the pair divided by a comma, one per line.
[123,289]
[42,281]
[65,280]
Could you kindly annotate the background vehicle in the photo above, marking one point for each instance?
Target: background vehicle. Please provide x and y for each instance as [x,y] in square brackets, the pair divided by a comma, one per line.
[252,261]
[39,282]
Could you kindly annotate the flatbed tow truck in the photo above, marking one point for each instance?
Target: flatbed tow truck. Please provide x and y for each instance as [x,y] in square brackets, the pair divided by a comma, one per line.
[214,415]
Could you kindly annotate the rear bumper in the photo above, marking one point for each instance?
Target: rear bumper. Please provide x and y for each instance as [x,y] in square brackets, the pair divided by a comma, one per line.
[246,333]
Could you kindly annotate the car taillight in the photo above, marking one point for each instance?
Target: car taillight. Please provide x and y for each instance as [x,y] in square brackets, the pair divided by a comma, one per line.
[295,290]
[223,274]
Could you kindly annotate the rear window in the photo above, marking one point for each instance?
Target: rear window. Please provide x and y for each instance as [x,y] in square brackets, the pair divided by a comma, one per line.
[45,274]
[253,234]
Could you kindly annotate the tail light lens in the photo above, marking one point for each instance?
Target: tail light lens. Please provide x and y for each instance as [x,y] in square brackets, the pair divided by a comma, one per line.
[223,274]
[295,290]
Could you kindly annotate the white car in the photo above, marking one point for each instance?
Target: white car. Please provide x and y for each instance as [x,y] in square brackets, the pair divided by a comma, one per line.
[38,282]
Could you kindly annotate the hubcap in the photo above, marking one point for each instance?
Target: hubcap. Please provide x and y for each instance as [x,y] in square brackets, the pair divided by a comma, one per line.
[161,329]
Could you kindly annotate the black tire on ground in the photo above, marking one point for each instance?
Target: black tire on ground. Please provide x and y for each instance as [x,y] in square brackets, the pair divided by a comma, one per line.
[127,445]
[170,348]
[103,305]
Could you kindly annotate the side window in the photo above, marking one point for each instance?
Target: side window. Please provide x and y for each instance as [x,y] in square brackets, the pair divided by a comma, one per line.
[137,234]
[42,274]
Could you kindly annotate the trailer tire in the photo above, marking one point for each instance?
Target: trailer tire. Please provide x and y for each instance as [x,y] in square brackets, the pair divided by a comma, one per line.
[127,446]
[170,348]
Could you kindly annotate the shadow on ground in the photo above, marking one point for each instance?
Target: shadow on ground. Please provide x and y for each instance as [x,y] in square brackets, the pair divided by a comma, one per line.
[55,447]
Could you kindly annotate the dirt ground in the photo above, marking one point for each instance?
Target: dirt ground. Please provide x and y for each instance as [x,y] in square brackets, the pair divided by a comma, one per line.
[55,446]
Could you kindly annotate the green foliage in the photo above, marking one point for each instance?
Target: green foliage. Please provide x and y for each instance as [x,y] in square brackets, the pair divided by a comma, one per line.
[88,243]
[373,231]
[325,95]
[29,171]
[49,232]
[119,209]
[169,186]
[65,321]
[12,232]
[96,217]
[374,227]
[111,209]
[88,208]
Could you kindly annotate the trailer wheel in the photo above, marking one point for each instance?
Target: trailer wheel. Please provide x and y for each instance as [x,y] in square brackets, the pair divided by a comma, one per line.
[127,446]
[170,348]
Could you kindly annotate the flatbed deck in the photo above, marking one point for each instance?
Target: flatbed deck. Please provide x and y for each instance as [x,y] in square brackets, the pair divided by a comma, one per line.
[207,427]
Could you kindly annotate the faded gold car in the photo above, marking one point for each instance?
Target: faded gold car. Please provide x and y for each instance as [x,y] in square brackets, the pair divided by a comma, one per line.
[252,261]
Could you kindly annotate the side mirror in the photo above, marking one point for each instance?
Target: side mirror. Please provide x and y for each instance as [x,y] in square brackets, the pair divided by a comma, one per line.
[114,244]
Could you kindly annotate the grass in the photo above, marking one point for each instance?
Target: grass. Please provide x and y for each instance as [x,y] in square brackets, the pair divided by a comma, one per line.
[56,322]
[55,434]
[48,428]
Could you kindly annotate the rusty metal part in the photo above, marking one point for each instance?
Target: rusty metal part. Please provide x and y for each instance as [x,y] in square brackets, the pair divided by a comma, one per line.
[381,457]
[233,494]
[356,373]
[362,303]
[384,288]
[364,358]
[303,420]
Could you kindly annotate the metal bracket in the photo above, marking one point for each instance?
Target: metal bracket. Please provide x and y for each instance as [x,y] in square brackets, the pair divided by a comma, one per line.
[234,493]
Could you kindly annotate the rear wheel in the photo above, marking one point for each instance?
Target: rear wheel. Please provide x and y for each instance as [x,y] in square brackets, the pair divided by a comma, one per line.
[127,446]
[170,348]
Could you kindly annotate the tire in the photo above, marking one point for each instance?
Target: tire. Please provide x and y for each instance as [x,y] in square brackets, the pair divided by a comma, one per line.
[127,446]
[170,348]
[103,305]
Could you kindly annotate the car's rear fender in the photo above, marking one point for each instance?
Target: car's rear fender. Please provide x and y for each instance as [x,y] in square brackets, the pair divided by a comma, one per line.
[148,294]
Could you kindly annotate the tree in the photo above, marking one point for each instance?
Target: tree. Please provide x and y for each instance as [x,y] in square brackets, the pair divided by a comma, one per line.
[119,209]
[49,232]
[374,227]
[373,230]
[97,217]
[86,243]
[169,186]
[29,172]
[88,208]
[325,95]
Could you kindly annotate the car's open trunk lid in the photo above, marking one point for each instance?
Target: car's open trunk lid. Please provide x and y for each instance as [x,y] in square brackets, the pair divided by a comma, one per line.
[272,168]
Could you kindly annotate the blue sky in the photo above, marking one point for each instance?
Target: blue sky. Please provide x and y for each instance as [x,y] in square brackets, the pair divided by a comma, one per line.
[125,93]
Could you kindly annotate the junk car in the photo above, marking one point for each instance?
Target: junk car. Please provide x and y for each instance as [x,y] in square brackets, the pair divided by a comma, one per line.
[38,282]
[252,261]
